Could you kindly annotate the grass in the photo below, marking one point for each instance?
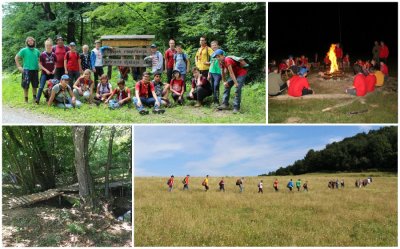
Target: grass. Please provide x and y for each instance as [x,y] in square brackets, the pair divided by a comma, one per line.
[382,108]
[252,108]
[320,217]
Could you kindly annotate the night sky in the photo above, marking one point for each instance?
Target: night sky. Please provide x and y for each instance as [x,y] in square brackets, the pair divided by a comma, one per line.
[307,28]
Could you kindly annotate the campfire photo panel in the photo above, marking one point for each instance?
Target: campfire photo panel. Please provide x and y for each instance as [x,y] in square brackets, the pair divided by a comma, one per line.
[331,71]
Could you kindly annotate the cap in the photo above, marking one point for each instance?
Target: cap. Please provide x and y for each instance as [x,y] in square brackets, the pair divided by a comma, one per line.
[59,37]
[65,77]
[302,71]
[97,41]
[217,52]
[153,45]
[72,44]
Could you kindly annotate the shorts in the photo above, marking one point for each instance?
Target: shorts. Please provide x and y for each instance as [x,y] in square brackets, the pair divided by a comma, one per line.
[30,76]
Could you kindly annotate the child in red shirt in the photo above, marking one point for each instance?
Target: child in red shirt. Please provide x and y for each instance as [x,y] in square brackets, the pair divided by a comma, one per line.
[72,64]
[298,84]
[359,85]
[123,94]
[370,80]
[176,87]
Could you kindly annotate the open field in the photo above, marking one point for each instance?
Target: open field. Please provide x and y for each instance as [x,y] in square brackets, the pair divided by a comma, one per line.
[320,217]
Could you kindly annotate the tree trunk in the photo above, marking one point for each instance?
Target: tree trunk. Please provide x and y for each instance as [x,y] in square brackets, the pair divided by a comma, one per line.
[81,38]
[108,165]
[81,143]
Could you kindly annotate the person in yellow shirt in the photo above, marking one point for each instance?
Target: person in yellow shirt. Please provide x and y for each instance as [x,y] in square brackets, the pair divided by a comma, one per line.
[203,56]
[380,78]
[205,183]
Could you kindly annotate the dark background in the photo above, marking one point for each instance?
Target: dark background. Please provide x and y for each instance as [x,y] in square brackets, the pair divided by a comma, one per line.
[309,28]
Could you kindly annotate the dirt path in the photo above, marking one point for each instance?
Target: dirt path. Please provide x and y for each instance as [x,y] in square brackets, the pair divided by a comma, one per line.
[12,115]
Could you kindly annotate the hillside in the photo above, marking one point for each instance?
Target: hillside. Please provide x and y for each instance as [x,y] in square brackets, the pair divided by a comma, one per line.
[372,151]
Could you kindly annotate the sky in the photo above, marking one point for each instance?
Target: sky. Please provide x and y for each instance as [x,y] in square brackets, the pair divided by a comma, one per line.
[297,28]
[228,150]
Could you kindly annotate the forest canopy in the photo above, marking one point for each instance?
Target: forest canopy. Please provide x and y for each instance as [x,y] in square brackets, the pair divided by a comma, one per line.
[239,27]
[375,150]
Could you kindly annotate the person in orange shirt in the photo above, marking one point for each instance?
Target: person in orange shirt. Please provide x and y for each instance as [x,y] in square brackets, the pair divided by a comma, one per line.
[170,183]
[186,183]
[380,78]
[276,184]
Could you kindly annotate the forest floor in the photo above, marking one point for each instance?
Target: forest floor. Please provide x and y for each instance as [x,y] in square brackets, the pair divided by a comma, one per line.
[42,225]
[330,104]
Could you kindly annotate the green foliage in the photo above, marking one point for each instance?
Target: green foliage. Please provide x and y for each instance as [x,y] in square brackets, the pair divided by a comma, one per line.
[239,27]
[75,228]
[376,150]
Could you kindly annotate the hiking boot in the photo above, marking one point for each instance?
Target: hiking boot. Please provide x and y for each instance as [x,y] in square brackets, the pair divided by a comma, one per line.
[223,107]
[198,104]
[236,111]
[144,112]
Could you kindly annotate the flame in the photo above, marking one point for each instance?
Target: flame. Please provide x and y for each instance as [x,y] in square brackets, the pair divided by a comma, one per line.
[332,57]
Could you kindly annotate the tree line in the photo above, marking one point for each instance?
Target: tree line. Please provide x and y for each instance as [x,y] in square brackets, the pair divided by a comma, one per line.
[239,27]
[375,150]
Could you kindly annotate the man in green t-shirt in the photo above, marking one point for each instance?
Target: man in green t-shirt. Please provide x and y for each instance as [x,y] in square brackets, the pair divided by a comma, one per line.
[30,67]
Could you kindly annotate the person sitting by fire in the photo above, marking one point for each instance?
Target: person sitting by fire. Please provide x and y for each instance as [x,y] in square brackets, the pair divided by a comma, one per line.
[380,77]
[346,61]
[291,61]
[298,85]
[359,86]
[284,65]
[303,62]
[370,80]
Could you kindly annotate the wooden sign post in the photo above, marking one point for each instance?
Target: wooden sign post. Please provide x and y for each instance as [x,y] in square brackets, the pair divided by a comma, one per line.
[129,50]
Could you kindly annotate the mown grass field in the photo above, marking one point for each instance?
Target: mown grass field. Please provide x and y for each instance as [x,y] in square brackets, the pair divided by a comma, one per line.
[320,217]
[253,108]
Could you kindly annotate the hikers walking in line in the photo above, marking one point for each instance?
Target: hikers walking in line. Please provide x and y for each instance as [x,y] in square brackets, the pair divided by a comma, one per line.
[186,183]
[205,183]
[260,187]
[276,185]
[170,183]
[222,185]
[298,184]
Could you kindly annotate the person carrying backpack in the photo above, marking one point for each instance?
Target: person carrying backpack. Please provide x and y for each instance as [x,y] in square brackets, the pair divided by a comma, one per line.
[59,95]
[72,64]
[298,184]
[260,187]
[239,182]
[205,183]
[185,182]
[221,185]
[181,63]
[170,183]
[237,78]
[305,186]
[290,185]
[146,95]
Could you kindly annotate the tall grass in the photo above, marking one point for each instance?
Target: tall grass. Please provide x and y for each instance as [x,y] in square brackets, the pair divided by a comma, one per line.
[320,217]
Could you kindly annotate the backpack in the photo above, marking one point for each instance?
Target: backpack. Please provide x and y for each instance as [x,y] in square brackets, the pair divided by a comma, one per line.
[101,88]
[203,183]
[238,182]
[239,60]
[184,57]
[169,182]
[50,84]
[183,181]
[208,56]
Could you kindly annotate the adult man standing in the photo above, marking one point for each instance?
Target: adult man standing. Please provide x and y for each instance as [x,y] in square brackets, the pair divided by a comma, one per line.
[96,60]
[169,59]
[30,67]
[203,55]
[60,50]
[72,64]
[237,78]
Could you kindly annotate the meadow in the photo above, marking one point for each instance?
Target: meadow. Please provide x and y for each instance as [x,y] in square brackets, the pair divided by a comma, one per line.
[321,217]
[252,107]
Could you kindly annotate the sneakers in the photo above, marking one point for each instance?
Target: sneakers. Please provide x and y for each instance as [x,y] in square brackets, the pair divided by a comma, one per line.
[144,112]
[158,111]
[236,111]
[223,107]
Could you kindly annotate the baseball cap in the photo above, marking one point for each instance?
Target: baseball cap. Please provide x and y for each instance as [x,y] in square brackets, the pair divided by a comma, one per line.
[65,77]
[302,71]
[72,44]
[153,45]
[217,52]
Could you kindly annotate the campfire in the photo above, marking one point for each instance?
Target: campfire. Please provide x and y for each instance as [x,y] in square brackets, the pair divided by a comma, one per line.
[334,72]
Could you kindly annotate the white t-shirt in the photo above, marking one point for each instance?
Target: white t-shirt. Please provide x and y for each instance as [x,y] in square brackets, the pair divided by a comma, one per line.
[99,58]
[260,185]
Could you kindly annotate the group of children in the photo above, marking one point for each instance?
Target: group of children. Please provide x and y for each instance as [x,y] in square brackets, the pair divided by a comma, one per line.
[68,76]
